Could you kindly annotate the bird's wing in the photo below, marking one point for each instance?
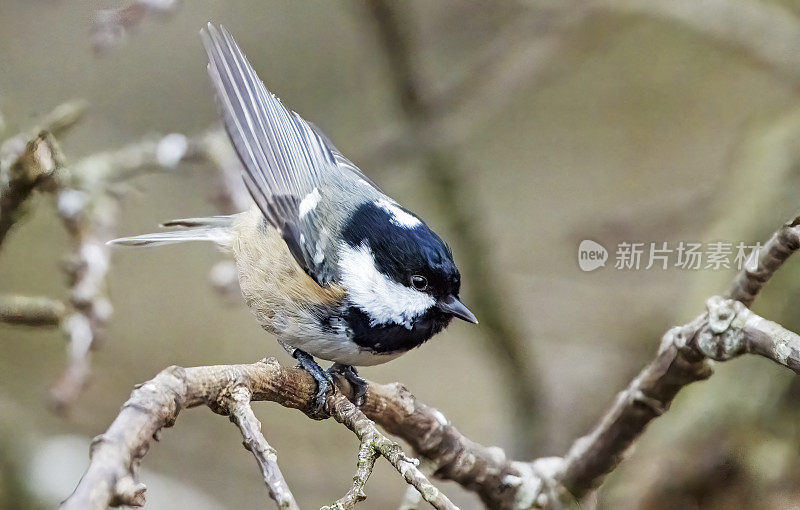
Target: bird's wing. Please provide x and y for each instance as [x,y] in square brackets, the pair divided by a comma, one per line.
[344,164]
[284,157]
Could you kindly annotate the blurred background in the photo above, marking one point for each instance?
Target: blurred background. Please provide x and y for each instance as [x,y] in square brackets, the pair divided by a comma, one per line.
[517,130]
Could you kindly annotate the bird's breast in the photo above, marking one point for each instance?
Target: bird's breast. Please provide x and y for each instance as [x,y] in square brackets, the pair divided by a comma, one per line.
[392,337]
[274,286]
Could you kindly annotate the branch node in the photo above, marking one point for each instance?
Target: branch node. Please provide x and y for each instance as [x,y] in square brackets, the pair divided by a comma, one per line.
[96,441]
[537,483]
[673,337]
[128,492]
[655,405]
[723,337]
[405,458]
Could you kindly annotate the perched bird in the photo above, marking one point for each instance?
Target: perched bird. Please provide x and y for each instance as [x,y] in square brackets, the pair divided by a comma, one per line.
[328,263]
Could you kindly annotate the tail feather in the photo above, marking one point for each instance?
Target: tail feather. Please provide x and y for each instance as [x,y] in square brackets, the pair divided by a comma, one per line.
[215,229]
[213,221]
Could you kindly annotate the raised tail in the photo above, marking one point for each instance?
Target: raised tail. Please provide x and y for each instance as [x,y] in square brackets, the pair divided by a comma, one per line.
[216,229]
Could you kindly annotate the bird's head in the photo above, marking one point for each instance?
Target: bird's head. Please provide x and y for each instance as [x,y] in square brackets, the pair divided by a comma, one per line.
[398,271]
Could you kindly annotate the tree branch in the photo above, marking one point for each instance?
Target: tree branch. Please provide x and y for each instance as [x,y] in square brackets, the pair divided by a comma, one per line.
[647,397]
[481,469]
[87,205]
[31,311]
[111,478]
[726,330]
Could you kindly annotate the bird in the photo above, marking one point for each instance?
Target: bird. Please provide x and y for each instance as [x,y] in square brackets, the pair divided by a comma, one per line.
[328,263]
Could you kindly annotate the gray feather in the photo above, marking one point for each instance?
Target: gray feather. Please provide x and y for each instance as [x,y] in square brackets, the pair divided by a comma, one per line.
[215,229]
[212,221]
[286,160]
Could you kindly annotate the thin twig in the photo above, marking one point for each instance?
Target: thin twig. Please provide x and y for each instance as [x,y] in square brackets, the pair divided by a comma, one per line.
[100,171]
[772,255]
[354,419]
[88,207]
[31,311]
[237,406]
[87,202]
[36,163]
[412,499]
[88,218]
[367,455]
[56,122]
[28,160]
[485,470]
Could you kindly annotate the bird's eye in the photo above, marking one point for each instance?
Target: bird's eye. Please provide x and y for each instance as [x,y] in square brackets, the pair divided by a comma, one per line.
[419,282]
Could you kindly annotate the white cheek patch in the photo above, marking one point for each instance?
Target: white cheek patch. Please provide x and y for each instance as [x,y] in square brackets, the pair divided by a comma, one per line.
[309,202]
[398,216]
[383,300]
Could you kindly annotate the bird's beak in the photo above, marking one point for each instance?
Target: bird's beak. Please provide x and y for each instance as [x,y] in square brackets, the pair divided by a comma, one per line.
[453,306]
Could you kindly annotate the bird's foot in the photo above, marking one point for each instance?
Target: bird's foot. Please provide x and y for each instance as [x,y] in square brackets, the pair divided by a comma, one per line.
[324,384]
[351,375]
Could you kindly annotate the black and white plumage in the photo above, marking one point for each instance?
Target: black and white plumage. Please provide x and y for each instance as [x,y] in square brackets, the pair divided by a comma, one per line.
[330,264]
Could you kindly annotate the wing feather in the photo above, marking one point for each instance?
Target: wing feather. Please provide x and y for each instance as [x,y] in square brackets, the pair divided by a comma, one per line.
[284,157]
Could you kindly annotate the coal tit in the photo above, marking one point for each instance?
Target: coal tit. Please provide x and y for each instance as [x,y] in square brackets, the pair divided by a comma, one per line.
[327,262]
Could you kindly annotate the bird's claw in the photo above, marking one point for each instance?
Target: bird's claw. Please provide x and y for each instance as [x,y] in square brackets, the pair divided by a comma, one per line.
[358,384]
[320,411]
[324,380]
